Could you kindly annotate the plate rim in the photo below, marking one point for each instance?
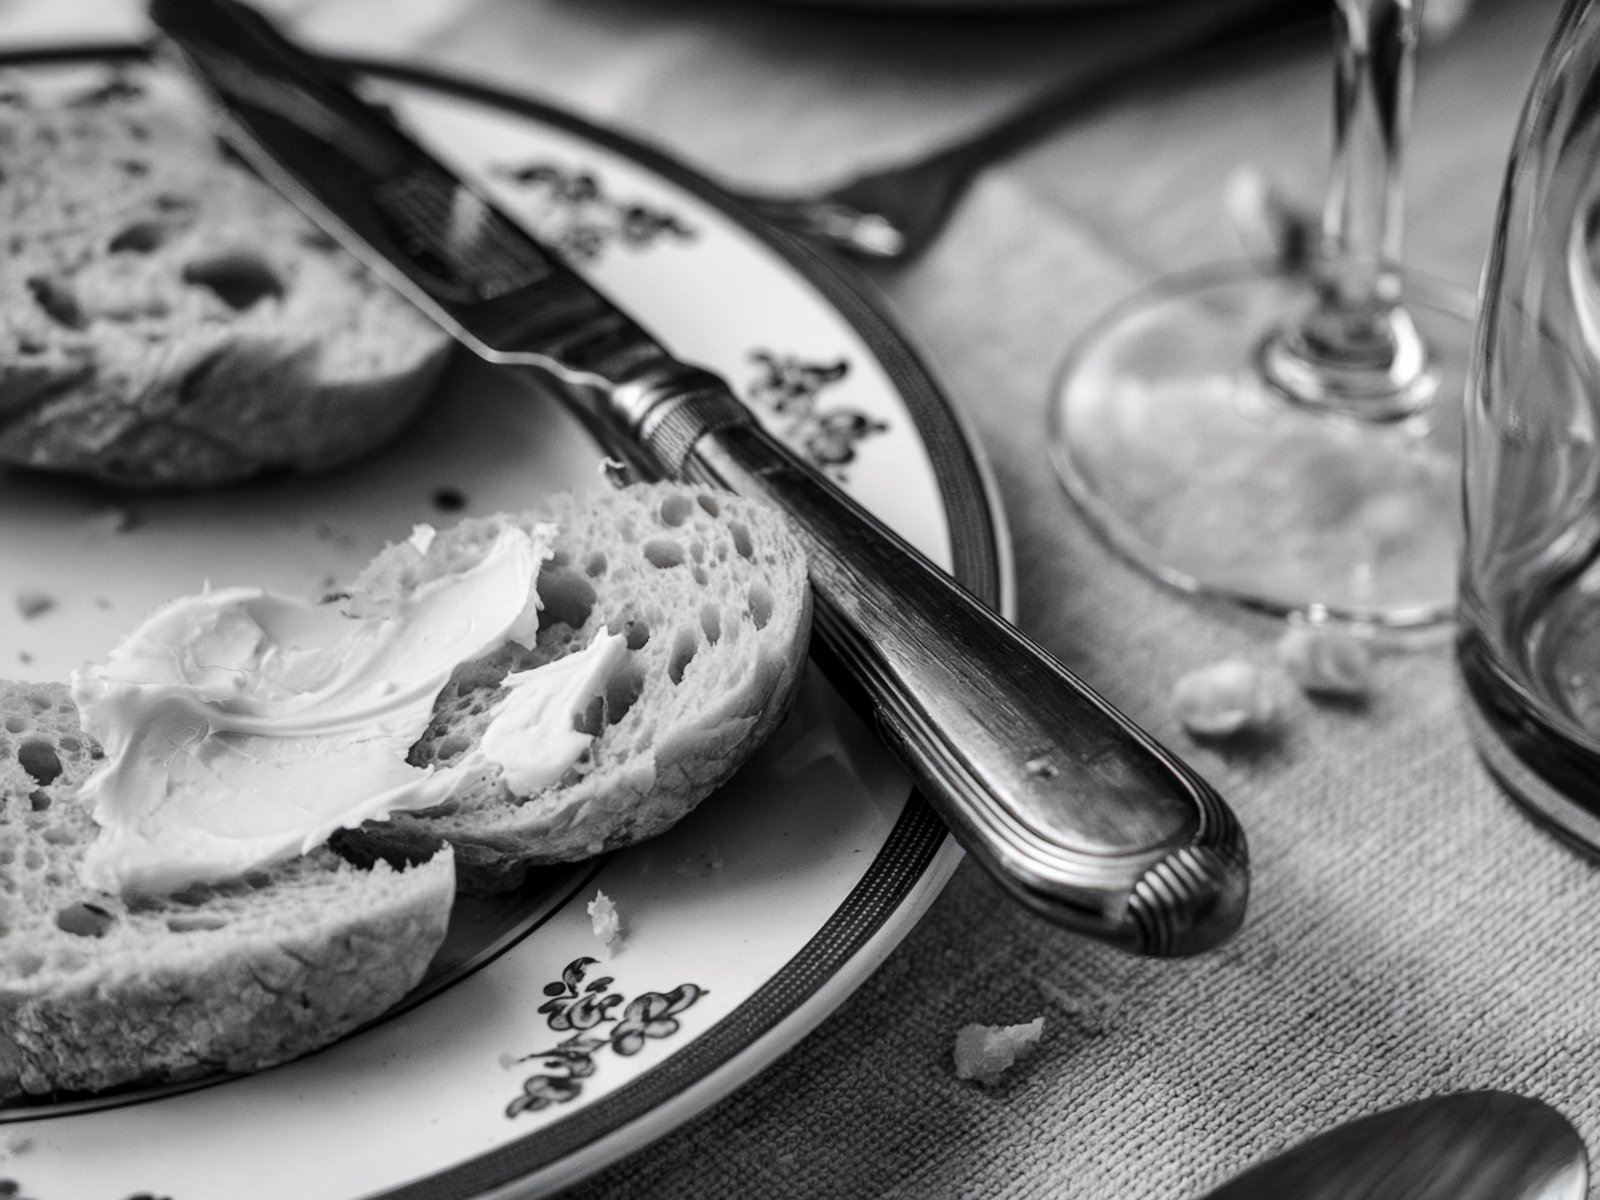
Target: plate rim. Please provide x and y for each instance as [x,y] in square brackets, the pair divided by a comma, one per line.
[917,857]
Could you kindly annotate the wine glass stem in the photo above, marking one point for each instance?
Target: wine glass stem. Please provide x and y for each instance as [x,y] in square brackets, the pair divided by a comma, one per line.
[1375,44]
[1358,350]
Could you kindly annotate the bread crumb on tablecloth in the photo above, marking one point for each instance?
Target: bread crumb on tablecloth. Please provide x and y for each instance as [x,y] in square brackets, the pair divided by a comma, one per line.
[1326,662]
[605,920]
[1225,698]
[986,1052]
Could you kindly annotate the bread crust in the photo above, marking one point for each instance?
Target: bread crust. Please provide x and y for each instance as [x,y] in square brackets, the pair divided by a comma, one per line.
[168,322]
[97,991]
[712,593]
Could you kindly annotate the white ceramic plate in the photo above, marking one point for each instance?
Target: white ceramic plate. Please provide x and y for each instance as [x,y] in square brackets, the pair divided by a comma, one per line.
[532,1056]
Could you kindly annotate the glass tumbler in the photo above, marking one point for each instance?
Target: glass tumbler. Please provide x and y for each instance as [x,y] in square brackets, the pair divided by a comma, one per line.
[1529,632]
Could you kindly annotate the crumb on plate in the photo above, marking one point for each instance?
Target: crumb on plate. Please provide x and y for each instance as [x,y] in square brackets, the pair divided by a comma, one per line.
[986,1052]
[603,917]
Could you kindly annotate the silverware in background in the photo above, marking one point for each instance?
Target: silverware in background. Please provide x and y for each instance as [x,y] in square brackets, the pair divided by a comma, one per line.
[893,213]
[1461,1146]
[1074,809]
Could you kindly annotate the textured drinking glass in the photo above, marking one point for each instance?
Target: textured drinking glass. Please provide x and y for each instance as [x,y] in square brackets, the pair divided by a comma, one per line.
[1529,636]
[1288,436]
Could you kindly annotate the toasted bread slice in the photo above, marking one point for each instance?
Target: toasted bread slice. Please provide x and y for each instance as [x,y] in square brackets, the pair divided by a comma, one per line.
[709,589]
[167,321]
[97,991]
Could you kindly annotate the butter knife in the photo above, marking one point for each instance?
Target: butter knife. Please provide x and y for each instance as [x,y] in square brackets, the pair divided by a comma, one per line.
[1076,811]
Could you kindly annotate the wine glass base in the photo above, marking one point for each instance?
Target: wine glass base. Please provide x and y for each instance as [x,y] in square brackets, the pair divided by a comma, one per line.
[1188,460]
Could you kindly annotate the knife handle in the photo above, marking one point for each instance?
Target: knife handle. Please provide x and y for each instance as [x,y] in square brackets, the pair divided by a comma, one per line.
[1073,808]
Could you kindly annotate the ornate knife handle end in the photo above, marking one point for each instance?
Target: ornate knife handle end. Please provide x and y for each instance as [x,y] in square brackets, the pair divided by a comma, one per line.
[1195,898]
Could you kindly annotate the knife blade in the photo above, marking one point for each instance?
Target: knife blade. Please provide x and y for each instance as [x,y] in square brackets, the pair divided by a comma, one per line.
[1076,811]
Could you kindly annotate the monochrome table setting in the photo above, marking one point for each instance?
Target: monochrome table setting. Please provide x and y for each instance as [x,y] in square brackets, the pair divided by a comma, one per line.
[1409,931]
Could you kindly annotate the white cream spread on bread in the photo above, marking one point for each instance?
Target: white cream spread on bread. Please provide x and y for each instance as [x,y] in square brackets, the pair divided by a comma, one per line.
[242,728]
[545,699]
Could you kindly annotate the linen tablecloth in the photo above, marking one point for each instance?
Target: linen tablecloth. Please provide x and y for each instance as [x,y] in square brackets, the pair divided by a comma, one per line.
[1409,931]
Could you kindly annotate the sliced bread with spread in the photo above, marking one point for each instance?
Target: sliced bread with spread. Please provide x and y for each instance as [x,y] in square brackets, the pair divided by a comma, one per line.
[709,593]
[98,989]
[517,690]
